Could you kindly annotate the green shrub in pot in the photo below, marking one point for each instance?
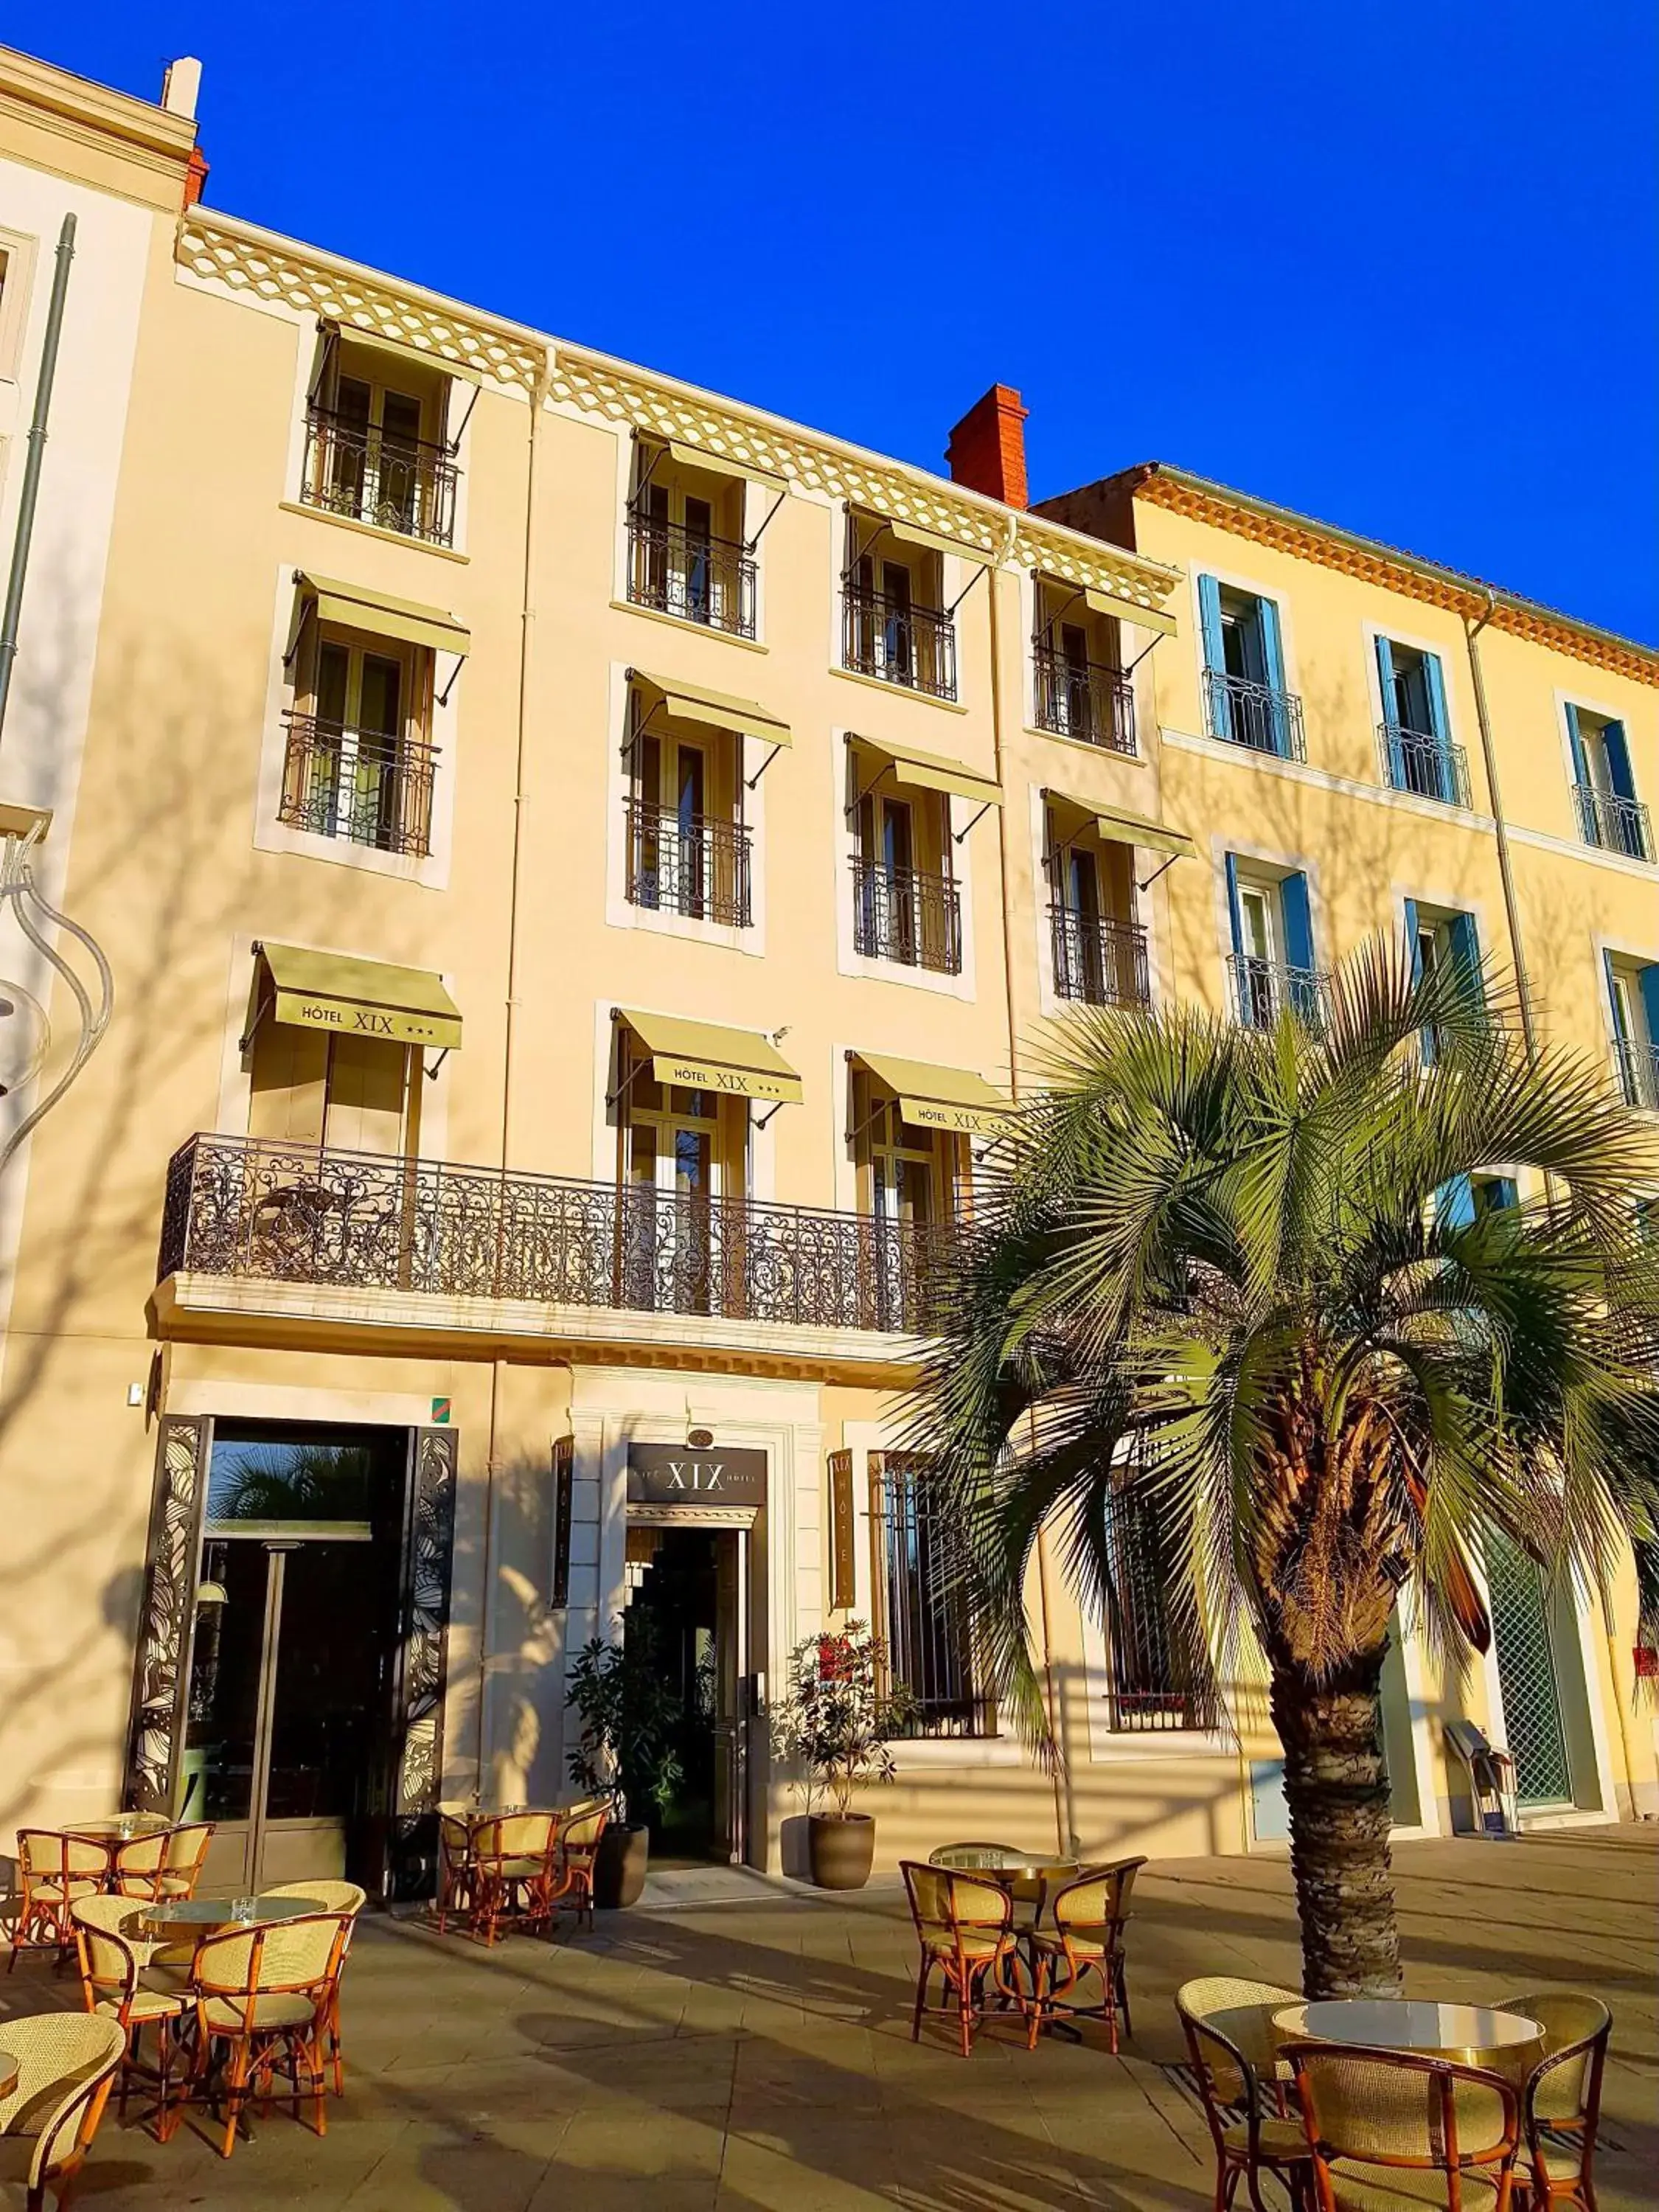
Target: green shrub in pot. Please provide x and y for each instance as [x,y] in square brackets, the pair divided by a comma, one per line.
[629,1711]
[835,1718]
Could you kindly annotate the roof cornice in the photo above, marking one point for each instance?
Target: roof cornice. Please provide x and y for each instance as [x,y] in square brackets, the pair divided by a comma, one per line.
[1287,531]
[221,248]
[92,111]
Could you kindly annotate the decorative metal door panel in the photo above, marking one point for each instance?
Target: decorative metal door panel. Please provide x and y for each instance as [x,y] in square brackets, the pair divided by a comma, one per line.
[417,1736]
[166,1624]
[1526,1672]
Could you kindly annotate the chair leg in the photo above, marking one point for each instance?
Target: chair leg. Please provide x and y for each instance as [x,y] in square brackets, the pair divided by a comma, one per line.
[922,1999]
[235,2092]
[965,2008]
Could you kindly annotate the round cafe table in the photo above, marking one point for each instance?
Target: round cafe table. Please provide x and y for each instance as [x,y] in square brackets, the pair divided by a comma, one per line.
[8,2071]
[1469,2035]
[1025,1874]
[121,1827]
[189,1919]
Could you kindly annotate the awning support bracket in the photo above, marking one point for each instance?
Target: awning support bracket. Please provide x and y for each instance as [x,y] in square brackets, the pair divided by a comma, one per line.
[1157,639]
[777,1108]
[430,1073]
[657,452]
[752,781]
[307,609]
[981,568]
[766,520]
[975,824]
[454,675]
[454,441]
[330,335]
[859,552]
[1158,872]
[1060,612]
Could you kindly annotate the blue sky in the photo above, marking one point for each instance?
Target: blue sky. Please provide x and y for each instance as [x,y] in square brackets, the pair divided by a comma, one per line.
[1391,265]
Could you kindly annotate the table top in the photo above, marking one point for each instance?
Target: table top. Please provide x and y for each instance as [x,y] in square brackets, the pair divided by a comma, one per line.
[8,2071]
[122,1827]
[207,1916]
[1000,1860]
[1410,2024]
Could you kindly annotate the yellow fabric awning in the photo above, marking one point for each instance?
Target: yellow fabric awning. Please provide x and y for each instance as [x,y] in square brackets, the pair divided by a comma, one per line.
[360,997]
[723,465]
[1108,603]
[952,1098]
[703,1056]
[931,771]
[917,535]
[357,607]
[1119,828]
[399,350]
[691,703]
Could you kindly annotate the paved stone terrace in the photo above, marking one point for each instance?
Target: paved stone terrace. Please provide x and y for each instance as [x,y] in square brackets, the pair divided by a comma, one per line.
[756,2053]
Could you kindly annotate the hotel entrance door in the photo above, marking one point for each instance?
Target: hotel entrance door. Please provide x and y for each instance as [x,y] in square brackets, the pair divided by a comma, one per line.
[688,1608]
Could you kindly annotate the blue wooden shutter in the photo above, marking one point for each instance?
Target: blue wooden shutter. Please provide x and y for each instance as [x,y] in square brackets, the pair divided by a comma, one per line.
[1390,714]
[1454,1202]
[1613,1006]
[1297,915]
[1273,674]
[1618,753]
[1412,927]
[1583,796]
[1233,915]
[1220,723]
[1575,740]
[1504,1192]
[1647,982]
[1439,719]
[1465,952]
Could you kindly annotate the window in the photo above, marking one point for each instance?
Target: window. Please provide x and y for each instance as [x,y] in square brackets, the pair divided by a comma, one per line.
[1468,1199]
[894,625]
[683,1157]
[1099,949]
[688,847]
[921,1608]
[1272,963]
[376,447]
[1158,1680]
[1442,940]
[1245,700]
[1079,687]
[358,764]
[1633,1002]
[1604,789]
[906,907]
[1414,735]
[686,555]
[357,1094]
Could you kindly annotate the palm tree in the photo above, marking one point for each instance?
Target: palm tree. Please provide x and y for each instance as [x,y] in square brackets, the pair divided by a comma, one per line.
[1213,1277]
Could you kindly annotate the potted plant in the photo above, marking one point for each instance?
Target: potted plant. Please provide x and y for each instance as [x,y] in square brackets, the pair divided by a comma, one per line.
[629,1710]
[835,1718]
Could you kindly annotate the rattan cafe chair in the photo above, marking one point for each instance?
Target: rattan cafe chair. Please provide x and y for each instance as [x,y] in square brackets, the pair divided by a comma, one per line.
[185,1856]
[54,1871]
[1244,2109]
[1393,2129]
[576,1849]
[1025,1889]
[66,2061]
[455,1873]
[348,1898]
[1561,2104]
[261,1996]
[1244,2012]
[113,1958]
[512,1872]
[965,1927]
[1089,1916]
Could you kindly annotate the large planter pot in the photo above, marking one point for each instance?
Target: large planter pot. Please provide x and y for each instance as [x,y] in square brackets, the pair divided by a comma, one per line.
[619,1868]
[841,1849]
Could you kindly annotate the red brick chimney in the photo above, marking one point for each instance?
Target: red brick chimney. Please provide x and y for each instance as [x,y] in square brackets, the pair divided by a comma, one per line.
[986,451]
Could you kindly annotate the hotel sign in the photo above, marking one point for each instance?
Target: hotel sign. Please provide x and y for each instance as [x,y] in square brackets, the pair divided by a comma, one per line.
[309,1010]
[674,1474]
[736,1082]
[960,1120]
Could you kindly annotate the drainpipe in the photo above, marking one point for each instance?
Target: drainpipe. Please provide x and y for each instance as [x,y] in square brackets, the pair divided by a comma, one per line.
[1005,553]
[1505,869]
[37,447]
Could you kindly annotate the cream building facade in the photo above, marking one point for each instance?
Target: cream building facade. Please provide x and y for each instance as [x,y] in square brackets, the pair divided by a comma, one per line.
[587,866]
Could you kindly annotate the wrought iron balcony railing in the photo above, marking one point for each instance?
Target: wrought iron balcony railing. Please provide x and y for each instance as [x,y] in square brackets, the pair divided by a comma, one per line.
[1264,990]
[1143,1711]
[405,485]
[1617,825]
[248,1209]
[695,866]
[1431,767]
[1101,961]
[364,785]
[1084,700]
[1638,1074]
[903,914]
[686,573]
[1254,714]
[902,644]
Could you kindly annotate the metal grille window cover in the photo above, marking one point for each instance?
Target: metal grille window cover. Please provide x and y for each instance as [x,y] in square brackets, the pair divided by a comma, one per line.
[926,1624]
[367,786]
[906,915]
[899,643]
[1264,990]
[1101,961]
[1526,1672]
[401,483]
[251,1210]
[1254,714]
[1638,1074]
[693,865]
[1430,767]
[677,571]
[1084,700]
[1615,824]
[1158,1680]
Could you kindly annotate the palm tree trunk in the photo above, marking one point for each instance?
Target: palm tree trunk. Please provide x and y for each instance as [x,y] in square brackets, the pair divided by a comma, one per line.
[1337,1789]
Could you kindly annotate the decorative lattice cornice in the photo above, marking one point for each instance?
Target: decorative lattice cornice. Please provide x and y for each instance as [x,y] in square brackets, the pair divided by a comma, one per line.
[246,260]
[1394,572]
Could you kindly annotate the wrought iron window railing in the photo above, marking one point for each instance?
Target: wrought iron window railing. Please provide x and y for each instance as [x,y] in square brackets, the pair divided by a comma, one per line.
[905,915]
[687,573]
[696,866]
[1432,767]
[1160,1676]
[1617,825]
[900,643]
[927,1624]
[1638,1074]
[364,785]
[1253,715]
[248,1209]
[405,485]
[1099,961]
[1264,990]
[1084,700]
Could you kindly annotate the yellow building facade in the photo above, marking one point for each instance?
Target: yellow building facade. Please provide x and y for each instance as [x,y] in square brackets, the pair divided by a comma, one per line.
[587,864]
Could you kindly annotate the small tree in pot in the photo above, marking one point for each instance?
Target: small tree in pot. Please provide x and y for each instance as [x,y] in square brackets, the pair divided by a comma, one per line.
[835,1718]
[629,1710]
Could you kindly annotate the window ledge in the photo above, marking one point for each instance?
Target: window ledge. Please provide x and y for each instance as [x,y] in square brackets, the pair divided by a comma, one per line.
[664,922]
[1136,759]
[1124,1747]
[685,625]
[896,690]
[372,530]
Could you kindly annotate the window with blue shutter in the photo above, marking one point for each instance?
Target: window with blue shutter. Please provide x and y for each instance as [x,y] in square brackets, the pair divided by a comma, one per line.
[1604,785]
[1414,738]
[1454,1202]
[1295,913]
[1495,1193]
[1245,699]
